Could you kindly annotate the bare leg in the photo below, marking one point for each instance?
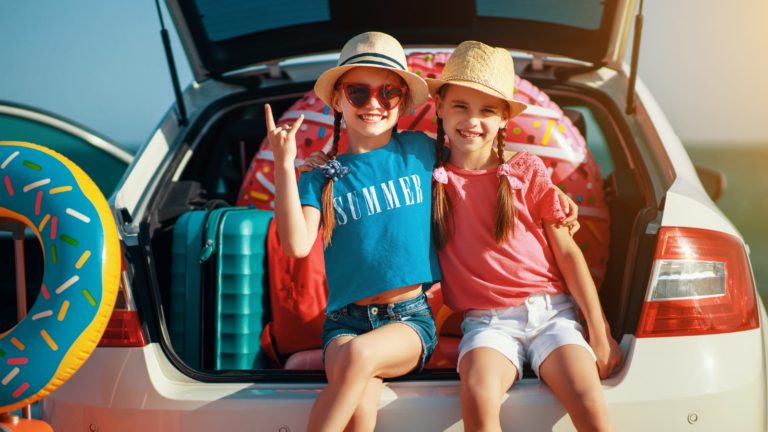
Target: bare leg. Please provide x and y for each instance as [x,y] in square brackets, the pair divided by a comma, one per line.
[352,364]
[486,375]
[364,418]
[571,373]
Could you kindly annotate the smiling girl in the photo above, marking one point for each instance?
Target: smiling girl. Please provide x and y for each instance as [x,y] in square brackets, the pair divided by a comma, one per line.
[374,204]
[506,264]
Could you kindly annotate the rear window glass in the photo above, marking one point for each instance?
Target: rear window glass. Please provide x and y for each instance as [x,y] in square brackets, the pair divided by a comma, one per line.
[226,19]
[585,14]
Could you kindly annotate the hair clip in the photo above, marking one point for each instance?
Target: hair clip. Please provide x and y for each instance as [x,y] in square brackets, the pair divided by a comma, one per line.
[332,169]
[440,175]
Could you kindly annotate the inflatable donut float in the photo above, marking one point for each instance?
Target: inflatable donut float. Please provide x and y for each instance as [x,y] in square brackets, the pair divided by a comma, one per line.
[542,129]
[56,200]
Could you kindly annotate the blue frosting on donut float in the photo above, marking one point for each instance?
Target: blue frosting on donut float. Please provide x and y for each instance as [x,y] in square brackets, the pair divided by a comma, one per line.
[56,200]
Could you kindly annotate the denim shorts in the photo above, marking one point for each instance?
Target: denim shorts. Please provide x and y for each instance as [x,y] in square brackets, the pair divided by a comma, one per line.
[529,332]
[355,320]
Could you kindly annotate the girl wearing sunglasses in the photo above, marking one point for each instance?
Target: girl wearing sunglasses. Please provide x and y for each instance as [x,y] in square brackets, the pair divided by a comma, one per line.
[374,204]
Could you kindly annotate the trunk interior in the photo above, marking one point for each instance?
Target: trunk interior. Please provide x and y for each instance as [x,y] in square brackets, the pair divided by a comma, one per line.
[233,132]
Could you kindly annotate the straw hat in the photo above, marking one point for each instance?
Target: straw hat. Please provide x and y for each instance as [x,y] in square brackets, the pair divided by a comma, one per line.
[483,68]
[372,49]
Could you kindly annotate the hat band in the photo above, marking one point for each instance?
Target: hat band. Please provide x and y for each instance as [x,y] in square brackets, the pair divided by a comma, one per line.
[478,81]
[392,61]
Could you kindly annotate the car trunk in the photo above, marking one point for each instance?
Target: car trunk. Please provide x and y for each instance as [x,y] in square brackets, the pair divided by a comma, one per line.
[234,131]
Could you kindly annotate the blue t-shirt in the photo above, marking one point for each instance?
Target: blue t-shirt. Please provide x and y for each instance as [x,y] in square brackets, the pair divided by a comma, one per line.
[382,239]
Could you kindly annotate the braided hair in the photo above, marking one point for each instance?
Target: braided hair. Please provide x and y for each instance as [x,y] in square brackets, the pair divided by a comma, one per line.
[505,197]
[442,214]
[328,217]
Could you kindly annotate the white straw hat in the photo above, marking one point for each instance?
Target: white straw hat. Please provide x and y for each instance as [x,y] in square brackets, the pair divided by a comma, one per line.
[378,50]
[481,67]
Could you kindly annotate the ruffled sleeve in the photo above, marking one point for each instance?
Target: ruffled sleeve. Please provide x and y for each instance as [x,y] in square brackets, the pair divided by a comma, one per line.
[549,207]
[543,192]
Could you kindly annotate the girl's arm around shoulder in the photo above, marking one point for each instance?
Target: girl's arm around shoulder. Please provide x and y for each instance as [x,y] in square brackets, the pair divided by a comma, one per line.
[296,225]
[551,201]
[574,269]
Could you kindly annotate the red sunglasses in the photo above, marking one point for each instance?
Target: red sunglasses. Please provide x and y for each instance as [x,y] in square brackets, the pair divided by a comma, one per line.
[359,94]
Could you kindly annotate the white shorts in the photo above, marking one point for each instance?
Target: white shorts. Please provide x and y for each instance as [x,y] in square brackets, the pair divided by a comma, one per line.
[530,331]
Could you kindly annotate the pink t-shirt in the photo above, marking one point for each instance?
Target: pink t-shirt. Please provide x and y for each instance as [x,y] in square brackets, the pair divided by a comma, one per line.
[477,272]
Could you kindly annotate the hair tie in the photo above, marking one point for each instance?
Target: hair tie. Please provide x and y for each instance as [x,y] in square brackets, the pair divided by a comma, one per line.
[440,175]
[332,169]
[504,169]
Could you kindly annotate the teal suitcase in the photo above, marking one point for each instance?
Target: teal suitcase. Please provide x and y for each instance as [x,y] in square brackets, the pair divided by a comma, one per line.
[219,288]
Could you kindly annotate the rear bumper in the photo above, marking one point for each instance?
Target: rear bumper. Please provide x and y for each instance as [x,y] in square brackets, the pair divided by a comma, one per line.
[712,383]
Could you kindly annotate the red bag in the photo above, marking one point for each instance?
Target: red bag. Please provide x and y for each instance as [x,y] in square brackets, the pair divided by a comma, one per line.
[298,294]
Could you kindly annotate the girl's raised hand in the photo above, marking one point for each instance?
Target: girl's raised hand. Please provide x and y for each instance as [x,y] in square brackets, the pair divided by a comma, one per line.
[282,138]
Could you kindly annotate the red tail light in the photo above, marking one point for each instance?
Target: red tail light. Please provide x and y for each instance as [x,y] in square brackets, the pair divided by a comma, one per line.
[123,330]
[124,326]
[701,283]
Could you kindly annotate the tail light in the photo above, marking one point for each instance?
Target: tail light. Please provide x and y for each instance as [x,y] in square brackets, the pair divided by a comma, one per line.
[124,326]
[701,283]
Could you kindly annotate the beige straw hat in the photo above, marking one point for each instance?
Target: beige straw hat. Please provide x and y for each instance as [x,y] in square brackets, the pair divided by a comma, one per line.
[378,50]
[481,67]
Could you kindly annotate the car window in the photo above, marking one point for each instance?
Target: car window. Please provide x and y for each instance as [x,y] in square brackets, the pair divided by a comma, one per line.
[596,141]
[581,14]
[105,169]
[244,17]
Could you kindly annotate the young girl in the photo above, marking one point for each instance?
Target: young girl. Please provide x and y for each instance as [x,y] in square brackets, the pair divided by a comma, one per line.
[505,262]
[374,203]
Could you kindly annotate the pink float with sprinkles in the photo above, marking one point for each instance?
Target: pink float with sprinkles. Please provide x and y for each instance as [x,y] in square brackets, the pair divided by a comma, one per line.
[60,204]
[543,129]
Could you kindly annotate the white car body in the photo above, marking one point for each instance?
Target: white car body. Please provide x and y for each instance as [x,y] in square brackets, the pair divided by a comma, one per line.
[711,382]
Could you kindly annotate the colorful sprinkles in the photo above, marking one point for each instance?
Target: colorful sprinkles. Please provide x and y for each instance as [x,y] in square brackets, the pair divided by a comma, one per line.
[83,258]
[69,240]
[47,338]
[58,190]
[22,167]
[31,165]
[8,185]
[63,311]
[35,185]
[38,201]
[11,375]
[89,297]
[9,159]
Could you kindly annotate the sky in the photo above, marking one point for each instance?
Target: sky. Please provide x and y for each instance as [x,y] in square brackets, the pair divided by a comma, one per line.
[101,63]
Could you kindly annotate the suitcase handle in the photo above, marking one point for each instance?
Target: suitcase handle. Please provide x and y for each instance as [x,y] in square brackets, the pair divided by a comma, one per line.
[211,228]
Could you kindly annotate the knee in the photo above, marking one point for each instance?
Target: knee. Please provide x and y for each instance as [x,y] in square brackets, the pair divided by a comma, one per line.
[481,388]
[354,359]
